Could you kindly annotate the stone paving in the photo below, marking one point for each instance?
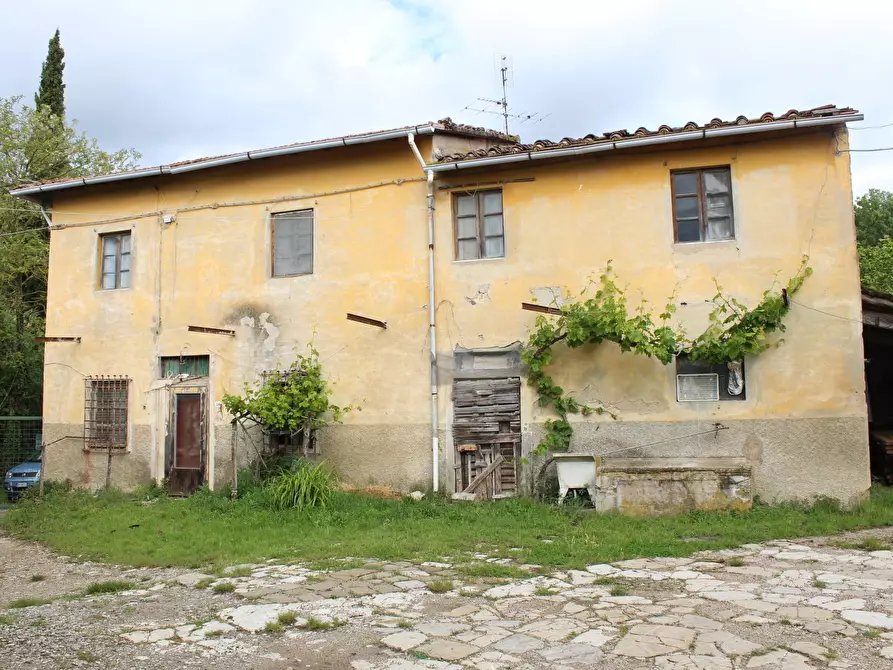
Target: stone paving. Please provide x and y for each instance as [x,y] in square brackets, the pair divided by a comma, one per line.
[775,606]
[772,606]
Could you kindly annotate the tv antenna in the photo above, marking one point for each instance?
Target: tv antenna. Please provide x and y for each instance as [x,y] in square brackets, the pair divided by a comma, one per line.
[506,76]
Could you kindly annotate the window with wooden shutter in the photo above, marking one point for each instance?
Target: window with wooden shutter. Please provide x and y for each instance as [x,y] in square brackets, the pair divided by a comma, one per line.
[292,243]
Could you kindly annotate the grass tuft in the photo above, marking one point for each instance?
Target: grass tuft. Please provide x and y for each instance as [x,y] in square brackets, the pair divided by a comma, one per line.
[7,619]
[868,544]
[224,587]
[111,586]
[440,585]
[318,624]
[37,578]
[819,584]
[403,623]
[274,627]
[492,570]
[287,618]
[27,602]
[544,591]
[87,656]
[619,590]
[204,583]
[735,562]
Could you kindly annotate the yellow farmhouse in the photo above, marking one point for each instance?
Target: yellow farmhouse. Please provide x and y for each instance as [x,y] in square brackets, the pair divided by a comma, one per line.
[405,257]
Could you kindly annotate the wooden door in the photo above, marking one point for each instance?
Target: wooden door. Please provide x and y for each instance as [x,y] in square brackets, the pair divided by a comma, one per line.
[487,423]
[186,473]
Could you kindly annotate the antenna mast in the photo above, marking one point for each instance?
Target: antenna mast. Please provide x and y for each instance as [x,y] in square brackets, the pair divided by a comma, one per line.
[506,78]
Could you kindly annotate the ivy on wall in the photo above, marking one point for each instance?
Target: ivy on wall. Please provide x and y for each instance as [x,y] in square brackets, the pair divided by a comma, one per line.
[733,331]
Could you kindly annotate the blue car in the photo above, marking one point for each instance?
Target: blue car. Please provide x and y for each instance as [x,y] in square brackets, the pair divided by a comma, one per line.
[22,477]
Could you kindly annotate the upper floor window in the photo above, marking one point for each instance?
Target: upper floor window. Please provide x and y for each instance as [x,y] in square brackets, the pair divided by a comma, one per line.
[292,243]
[115,269]
[478,225]
[702,205]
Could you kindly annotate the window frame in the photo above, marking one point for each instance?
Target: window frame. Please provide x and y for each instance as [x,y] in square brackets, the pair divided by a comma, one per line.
[120,235]
[479,221]
[685,366]
[95,428]
[293,212]
[702,203]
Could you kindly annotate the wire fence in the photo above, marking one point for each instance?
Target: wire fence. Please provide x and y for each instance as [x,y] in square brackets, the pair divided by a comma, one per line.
[20,438]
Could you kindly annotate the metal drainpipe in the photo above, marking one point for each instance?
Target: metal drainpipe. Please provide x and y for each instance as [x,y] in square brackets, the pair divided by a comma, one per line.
[432,309]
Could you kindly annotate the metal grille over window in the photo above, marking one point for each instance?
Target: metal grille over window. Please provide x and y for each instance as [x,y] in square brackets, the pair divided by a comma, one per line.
[105,412]
[293,243]
[697,388]
[702,205]
[115,271]
[479,228]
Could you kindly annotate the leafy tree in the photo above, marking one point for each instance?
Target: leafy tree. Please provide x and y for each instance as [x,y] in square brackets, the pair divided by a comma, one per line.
[33,145]
[51,94]
[874,216]
[876,265]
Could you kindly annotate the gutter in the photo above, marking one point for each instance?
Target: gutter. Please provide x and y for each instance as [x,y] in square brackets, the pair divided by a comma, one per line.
[229,160]
[432,312]
[644,141]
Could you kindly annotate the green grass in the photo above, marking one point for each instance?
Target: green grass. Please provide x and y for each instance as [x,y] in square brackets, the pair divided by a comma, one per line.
[274,627]
[619,590]
[235,572]
[7,619]
[819,584]
[224,587]
[440,585]
[204,583]
[403,623]
[868,544]
[545,591]
[88,656]
[318,624]
[209,529]
[112,586]
[27,602]
[287,618]
[735,562]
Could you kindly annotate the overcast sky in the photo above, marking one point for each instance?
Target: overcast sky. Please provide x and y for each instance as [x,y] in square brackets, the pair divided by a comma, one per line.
[179,79]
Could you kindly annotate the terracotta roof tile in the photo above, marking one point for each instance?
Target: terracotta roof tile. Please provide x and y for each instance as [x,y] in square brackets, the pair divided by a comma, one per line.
[541,145]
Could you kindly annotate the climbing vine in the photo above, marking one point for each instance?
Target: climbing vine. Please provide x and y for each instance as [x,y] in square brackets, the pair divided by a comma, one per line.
[733,332]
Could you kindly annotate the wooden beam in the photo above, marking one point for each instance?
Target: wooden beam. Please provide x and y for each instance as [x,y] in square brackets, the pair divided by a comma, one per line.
[489,470]
[531,307]
[57,339]
[211,331]
[367,321]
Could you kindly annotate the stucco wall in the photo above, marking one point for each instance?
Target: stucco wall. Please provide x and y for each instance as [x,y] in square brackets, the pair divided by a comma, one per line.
[210,267]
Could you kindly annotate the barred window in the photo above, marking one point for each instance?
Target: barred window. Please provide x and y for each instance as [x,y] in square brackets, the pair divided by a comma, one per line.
[105,412]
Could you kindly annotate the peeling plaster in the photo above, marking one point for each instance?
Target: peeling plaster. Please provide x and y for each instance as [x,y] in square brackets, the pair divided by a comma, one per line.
[483,293]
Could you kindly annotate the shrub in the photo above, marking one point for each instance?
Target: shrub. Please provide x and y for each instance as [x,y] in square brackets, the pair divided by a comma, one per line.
[306,486]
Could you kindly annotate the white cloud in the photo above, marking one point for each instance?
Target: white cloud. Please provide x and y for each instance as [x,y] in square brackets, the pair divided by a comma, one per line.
[181,79]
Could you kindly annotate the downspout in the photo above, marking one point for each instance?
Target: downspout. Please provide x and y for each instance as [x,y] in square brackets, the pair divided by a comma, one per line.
[432,309]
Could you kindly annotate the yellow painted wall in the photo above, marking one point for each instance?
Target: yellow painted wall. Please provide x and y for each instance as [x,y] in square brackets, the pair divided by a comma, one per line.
[211,267]
[792,196]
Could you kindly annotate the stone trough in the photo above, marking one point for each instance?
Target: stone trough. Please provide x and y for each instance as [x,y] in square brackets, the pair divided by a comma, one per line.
[650,486]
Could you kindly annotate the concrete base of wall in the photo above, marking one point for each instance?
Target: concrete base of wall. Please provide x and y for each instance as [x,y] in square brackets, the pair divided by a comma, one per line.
[790,459]
[650,486]
[69,460]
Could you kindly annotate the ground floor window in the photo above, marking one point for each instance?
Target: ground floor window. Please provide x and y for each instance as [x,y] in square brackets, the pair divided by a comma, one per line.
[105,412]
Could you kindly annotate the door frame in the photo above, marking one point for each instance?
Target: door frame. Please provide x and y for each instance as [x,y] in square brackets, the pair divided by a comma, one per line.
[202,391]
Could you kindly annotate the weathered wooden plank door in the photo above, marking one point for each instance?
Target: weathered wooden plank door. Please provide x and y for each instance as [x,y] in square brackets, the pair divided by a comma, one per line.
[487,423]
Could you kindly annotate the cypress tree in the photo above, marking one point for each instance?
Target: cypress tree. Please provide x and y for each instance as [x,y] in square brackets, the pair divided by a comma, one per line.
[52,91]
